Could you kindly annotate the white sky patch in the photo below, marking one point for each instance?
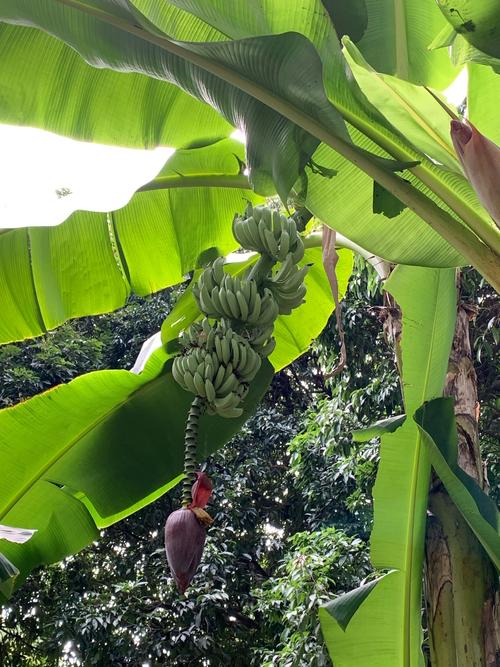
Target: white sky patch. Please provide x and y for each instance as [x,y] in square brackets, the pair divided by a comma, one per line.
[45,177]
[457,90]
[269,529]
[239,136]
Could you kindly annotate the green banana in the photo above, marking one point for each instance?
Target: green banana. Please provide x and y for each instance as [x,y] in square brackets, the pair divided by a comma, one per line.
[209,390]
[233,304]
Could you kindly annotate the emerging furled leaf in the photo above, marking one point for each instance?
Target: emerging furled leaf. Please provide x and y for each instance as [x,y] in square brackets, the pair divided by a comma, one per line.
[480,160]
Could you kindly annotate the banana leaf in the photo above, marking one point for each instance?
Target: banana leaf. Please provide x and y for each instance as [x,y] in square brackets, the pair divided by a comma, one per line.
[436,421]
[277,149]
[385,631]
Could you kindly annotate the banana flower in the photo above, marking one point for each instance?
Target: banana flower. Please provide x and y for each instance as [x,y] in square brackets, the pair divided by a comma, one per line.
[185,533]
[480,160]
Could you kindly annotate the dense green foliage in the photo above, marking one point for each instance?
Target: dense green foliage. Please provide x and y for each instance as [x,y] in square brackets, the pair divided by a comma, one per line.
[118,595]
[292,505]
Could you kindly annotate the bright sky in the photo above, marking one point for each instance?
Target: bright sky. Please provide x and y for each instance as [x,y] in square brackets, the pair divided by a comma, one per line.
[45,177]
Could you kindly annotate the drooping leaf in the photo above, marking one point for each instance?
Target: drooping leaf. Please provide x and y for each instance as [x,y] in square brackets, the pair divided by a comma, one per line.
[277,149]
[377,429]
[93,261]
[385,631]
[343,608]
[120,446]
[436,421]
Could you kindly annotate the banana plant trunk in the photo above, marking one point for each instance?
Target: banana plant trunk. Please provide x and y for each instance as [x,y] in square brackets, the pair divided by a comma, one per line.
[462,598]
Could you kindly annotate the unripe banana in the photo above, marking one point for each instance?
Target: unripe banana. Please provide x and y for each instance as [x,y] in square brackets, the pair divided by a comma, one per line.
[229,385]
[226,351]
[235,352]
[189,383]
[219,378]
[284,245]
[254,314]
[243,305]
[209,390]
[268,232]
[272,244]
[230,412]
[218,270]
[199,384]
[233,304]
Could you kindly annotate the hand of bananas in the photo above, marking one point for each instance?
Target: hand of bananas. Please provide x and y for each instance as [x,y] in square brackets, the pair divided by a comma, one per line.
[220,359]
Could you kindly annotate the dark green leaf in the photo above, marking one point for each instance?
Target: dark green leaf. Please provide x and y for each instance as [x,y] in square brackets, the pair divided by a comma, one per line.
[377,429]
[385,202]
[436,421]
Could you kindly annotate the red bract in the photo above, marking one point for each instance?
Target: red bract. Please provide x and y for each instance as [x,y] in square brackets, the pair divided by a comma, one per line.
[201,491]
[480,160]
[184,542]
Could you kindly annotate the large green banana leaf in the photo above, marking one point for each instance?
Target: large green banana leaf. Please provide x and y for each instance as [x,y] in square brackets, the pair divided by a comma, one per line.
[277,149]
[84,455]
[385,631]
[93,261]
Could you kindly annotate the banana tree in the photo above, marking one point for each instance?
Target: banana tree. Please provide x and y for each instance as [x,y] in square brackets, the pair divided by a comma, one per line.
[346,129]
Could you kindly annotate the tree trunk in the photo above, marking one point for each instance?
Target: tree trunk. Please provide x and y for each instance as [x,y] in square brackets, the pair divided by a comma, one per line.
[463,606]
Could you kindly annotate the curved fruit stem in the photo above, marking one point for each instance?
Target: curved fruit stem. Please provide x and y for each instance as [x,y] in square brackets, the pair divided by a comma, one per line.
[190,447]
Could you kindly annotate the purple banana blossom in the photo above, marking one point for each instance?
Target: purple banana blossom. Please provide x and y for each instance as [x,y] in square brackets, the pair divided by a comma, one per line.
[480,160]
[184,542]
[185,533]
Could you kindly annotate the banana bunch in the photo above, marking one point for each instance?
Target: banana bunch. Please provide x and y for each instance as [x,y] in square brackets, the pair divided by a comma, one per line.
[287,285]
[218,366]
[221,295]
[268,232]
